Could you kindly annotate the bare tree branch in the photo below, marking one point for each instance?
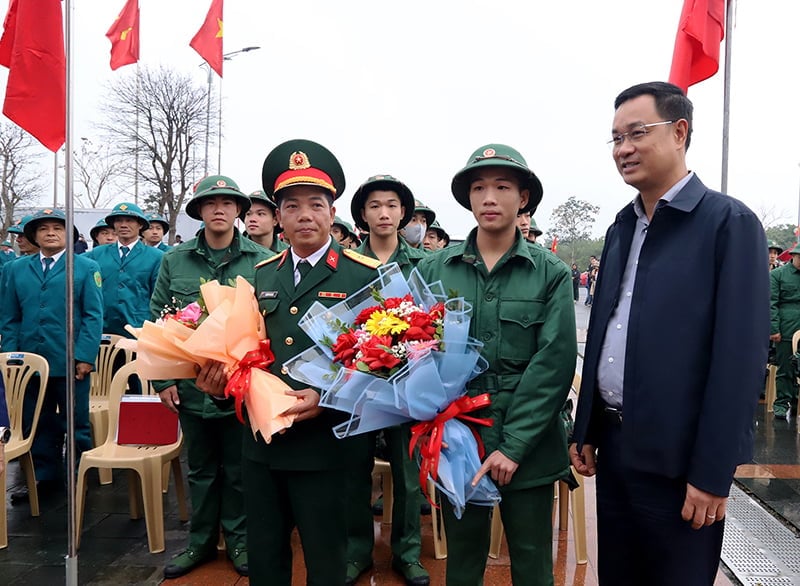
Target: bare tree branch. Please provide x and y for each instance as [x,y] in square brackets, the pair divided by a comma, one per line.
[19,172]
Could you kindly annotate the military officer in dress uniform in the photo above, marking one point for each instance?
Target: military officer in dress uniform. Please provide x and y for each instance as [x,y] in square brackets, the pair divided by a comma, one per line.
[262,224]
[300,477]
[32,319]
[381,206]
[522,311]
[213,436]
[153,235]
[129,269]
[101,233]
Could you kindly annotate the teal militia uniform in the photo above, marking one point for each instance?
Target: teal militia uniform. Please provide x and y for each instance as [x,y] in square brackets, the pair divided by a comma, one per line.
[162,247]
[128,284]
[785,320]
[32,319]
[213,435]
[300,477]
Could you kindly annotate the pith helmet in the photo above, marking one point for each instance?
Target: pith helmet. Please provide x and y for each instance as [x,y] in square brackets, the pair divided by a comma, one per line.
[212,186]
[20,225]
[100,225]
[771,244]
[497,155]
[301,162]
[158,219]
[430,215]
[381,183]
[534,228]
[127,210]
[42,215]
[260,196]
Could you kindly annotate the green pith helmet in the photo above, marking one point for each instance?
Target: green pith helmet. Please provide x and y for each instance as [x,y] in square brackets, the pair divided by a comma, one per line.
[6,243]
[158,219]
[440,233]
[430,215]
[212,186]
[100,225]
[128,210]
[301,162]
[381,183]
[260,196]
[771,244]
[20,226]
[534,228]
[346,227]
[46,214]
[497,155]
[795,250]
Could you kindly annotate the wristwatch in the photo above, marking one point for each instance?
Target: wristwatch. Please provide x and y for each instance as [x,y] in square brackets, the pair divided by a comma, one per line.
[5,435]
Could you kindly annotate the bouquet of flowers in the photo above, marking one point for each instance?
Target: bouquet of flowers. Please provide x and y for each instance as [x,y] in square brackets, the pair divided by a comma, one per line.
[397,351]
[225,325]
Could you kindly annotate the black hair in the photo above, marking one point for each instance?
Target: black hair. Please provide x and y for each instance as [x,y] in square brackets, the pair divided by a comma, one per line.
[671,101]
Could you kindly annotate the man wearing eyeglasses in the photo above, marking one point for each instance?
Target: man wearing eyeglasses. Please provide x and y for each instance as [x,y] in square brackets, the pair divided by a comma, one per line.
[675,354]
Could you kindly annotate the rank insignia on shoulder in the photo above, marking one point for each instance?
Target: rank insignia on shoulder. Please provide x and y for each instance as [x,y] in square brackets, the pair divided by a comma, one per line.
[331,295]
[271,259]
[268,295]
[367,261]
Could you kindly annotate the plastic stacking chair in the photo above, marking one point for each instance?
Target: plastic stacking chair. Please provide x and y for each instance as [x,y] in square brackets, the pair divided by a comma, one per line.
[17,370]
[770,390]
[146,462]
[384,469]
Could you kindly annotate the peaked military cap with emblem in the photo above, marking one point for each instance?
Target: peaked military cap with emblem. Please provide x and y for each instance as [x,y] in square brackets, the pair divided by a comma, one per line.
[301,162]
[381,183]
[42,215]
[158,219]
[19,227]
[262,197]
[128,210]
[212,186]
[430,215]
[497,155]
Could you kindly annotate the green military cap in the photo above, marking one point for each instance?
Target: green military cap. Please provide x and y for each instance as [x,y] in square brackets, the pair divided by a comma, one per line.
[771,244]
[158,219]
[430,215]
[19,226]
[440,232]
[42,215]
[795,250]
[212,186]
[6,243]
[534,228]
[497,155]
[259,195]
[347,226]
[127,210]
[100,225]
[301,162]
[381,183]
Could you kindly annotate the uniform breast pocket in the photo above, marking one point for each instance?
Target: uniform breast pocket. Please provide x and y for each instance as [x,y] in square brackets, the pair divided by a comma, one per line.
[185,291]
[520,320]
[268,306]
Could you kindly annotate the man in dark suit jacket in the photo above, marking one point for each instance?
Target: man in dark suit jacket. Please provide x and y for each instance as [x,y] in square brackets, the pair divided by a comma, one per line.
[675,354]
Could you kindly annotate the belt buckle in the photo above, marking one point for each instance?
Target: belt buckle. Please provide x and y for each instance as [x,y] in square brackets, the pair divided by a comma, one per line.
[614,414]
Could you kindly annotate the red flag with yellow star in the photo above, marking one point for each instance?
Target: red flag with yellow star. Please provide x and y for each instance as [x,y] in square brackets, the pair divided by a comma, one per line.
[124,36]
[32,47]
[208,40]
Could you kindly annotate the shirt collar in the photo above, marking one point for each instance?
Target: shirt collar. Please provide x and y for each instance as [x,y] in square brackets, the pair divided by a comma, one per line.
[468,251]
[666,198]
[55,257]
[312,258]
[130,246]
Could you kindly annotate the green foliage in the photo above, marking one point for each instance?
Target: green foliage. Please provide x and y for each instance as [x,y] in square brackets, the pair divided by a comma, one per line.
[578,252]
[782,234]
[573,220]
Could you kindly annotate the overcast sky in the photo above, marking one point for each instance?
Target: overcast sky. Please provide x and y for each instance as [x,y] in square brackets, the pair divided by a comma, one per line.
[412,88]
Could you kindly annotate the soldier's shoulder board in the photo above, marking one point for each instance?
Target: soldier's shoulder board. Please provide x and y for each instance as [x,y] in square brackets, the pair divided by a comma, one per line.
[367,261]
[271,259]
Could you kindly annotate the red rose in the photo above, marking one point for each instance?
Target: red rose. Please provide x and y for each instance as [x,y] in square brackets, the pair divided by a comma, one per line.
[344,348]
[375,353]
[437,311]
[421,327]
[366,314]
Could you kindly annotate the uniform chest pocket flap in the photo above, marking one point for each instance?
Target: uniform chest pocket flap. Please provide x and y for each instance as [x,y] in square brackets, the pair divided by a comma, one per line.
[185,290]
[268,306]
[519,321]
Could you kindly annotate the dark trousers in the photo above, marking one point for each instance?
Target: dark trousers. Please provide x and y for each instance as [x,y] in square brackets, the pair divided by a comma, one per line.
[575,288]
[785,381]
[641,536]
[278,500]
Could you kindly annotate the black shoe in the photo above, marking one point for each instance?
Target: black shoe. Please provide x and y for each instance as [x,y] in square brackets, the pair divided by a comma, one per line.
[239,558]
[413,574]
[44,489]
[185,562]
[425,508]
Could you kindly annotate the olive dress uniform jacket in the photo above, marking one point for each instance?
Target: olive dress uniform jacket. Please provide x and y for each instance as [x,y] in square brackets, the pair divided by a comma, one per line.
[183,269]
[127,284]
[697,338]
[523,313]
[33,310]
[785,301]
[310,444]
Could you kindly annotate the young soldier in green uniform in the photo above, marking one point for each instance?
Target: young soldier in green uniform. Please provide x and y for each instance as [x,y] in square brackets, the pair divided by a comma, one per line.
[129,270]
[213,435]
[153,235]
[785,321]
[381,206]
[414,231]
[521,298]
[299,478]
[262,224]
[32,319]
[435,238]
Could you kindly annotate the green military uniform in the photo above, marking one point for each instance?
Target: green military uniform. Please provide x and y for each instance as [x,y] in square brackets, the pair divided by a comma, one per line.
[299,478]
[406,541]
[785,320]
[212,435]
[278,245]
[522,311]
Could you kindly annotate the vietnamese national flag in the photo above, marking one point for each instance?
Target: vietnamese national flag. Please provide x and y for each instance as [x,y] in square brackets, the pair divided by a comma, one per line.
[32,47]
[554,245]
[700,31]
[208,40]
[124,36]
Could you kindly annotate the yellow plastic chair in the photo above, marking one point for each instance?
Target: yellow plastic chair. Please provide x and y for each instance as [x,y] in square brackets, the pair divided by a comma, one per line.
[17,370]
[146,462]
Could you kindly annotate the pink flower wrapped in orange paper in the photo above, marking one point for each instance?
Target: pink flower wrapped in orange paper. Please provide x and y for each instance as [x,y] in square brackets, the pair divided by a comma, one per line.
[232,333]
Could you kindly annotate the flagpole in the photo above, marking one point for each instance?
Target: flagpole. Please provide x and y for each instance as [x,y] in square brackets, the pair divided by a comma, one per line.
[726,99]
[136,141]
[71,564]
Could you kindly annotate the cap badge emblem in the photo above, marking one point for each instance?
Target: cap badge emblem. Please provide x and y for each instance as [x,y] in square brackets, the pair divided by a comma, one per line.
[221,183]
[489,153]
[298,160]
[123,207]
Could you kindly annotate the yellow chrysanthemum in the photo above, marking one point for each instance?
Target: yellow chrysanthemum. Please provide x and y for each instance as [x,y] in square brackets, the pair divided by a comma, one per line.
[381,323]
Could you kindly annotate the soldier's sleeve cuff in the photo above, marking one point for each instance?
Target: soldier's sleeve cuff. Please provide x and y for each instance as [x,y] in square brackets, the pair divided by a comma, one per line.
[160,385]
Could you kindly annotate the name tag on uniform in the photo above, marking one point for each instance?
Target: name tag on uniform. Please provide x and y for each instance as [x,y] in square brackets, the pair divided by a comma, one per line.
[331,295]
[268,295]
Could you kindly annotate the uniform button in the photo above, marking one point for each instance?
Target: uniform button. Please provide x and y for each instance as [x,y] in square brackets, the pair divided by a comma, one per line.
[525,319]
[489,297]
[289,340]
[628,294]
[487,336]
[619,326]
[284,370]
[611,359]
[293,310]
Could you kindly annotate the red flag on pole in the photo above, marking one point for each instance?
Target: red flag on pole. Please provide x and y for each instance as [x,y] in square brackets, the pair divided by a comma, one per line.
[208,40]
[32,47]
[700,32]
[554,245]
[124,36]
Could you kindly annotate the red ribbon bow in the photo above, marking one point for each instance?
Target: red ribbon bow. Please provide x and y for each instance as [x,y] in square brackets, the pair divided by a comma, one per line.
[239,383]
[432,432]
